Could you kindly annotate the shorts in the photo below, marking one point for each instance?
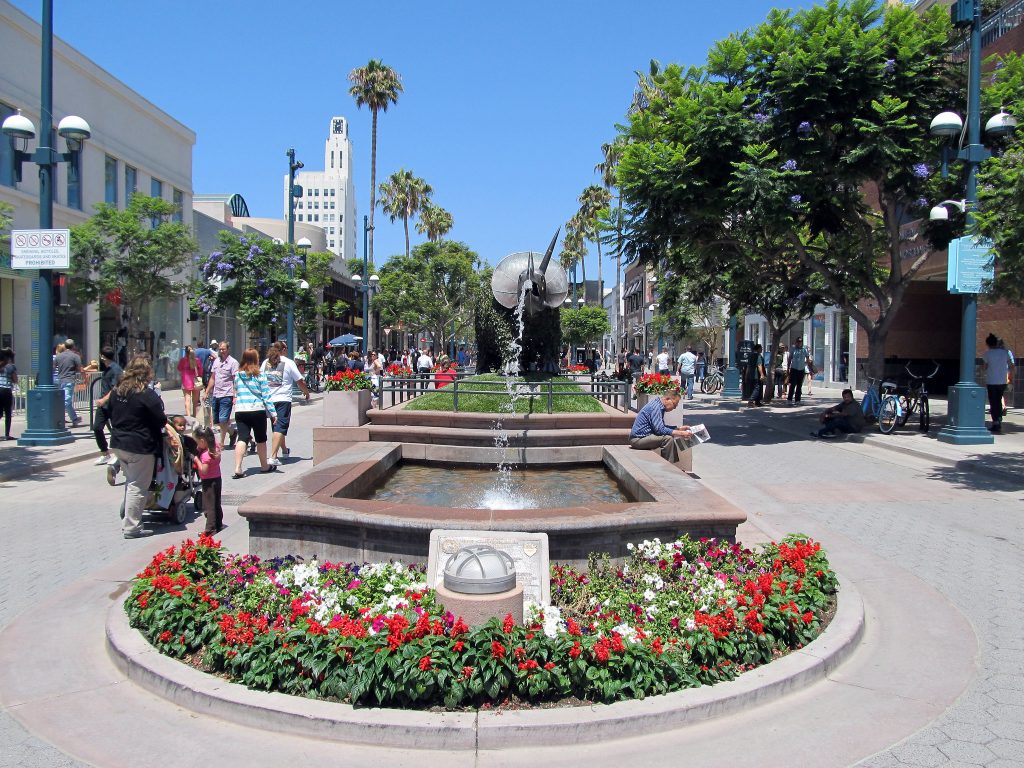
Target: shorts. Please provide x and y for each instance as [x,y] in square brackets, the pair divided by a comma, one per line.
[284,417]
[220,407]
[252,424]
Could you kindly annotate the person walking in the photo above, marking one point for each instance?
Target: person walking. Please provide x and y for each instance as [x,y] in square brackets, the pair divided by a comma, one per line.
[424,365]
[997,370]
[797,359]
[687,370]
[282,373]
[252,406]
[207,466]
[136,415]
[755,376]
[67,367]
[700,367]
[779,371]
[191,373]
[1012,363]
[220,390]
[664,362]
[110,377]
[8,380]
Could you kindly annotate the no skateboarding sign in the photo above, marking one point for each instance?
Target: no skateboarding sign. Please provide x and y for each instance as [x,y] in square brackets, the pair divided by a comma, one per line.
[40,248]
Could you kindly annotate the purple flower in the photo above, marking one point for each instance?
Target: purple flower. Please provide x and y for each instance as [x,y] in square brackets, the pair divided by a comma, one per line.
[921,171]
[921,202]
[795,199]
[804,128]
[890,65]
[789,165]
[761,117]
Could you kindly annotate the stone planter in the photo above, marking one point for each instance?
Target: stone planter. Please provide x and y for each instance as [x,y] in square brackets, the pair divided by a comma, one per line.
[642,399]
[346,408]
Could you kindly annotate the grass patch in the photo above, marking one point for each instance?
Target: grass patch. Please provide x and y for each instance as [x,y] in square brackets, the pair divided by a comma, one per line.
[568,397]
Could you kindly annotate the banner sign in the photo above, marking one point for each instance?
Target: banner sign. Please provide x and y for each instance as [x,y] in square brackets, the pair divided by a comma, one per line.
[970,265]
[40,248]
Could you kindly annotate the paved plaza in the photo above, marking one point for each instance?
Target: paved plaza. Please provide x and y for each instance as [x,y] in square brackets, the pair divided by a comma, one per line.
[931,534]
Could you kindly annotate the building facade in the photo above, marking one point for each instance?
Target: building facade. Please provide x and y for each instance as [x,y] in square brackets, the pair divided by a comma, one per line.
[135,147]
[328,200]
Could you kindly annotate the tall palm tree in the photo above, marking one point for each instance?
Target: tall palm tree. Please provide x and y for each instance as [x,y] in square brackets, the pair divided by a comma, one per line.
[608,168]
[377,86]
[593,201]
[574,252]
[435,222]
[402,196]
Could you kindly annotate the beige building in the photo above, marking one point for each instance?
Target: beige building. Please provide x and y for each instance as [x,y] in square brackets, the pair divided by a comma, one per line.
[135,147]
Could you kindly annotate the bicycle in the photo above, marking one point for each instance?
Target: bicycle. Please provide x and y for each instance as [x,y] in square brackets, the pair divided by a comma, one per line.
[916,398]
[882,404]
[713,380]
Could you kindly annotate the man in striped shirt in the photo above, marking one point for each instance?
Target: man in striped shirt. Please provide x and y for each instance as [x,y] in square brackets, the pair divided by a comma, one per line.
[650,431]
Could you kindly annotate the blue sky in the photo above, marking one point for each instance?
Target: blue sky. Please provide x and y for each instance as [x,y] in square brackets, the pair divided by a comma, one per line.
[504,111]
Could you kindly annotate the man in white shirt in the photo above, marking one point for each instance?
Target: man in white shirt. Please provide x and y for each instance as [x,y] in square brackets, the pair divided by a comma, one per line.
[688,370]
[280,378]
[424,364]
[664,361]
[997,372]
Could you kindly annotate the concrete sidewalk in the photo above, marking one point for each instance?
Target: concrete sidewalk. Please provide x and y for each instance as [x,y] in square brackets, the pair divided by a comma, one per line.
[40,463]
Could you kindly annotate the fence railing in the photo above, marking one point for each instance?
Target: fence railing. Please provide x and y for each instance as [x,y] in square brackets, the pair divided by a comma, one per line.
[80,398]
[400,389]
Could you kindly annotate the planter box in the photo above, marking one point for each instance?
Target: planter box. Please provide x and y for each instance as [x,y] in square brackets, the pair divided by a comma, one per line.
[642,399]
[346,408]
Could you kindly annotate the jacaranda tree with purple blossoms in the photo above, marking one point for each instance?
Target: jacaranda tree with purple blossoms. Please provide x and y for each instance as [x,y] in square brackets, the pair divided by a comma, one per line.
[131,257]
[800,142]
[250,276]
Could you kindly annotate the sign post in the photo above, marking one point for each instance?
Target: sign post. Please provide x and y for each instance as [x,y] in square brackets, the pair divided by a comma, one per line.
[40,249]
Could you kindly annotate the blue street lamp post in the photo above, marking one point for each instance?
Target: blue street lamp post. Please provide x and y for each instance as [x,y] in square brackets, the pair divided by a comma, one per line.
[294,191]
[731,387]
[365,286]
[46,401]
[965,423]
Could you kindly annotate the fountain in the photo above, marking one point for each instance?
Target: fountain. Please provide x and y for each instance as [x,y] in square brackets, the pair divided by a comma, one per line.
[347,506]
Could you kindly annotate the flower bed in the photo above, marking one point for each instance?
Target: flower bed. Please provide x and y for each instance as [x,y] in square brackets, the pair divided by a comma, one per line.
[655,384]
[673,616]
[345,381]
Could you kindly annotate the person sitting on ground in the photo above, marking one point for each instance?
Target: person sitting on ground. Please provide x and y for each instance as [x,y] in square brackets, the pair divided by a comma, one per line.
[650,431]
[846,417]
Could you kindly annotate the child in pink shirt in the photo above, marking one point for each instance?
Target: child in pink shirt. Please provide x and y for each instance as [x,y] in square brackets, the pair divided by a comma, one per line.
[207,464]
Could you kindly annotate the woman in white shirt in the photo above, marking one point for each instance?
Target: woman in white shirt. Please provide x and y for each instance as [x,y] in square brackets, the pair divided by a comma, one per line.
[997,370]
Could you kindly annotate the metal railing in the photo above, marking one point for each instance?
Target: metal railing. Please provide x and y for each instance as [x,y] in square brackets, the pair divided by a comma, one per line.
[81,397]
[395,390]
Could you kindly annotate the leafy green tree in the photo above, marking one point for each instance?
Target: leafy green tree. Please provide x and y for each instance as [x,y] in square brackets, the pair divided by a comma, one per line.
[250,276]
[435,222]
[402,196]
[130,257]
[6,217]
[1000,214]
[800,140]
[574,247]
[433,288]
[584,325]
[377,86]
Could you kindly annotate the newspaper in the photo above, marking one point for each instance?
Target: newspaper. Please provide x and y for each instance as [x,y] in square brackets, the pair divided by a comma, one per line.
[698,434]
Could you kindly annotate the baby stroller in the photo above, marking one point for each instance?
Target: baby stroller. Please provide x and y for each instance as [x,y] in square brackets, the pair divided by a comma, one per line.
[175,481]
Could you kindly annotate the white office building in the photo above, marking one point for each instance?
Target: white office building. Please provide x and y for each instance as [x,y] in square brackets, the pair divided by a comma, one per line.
[135,147]
[328,200]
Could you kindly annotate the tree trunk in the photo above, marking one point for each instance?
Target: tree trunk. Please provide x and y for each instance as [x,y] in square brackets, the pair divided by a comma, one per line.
[373,182]
[405,221]
[876,355]
[600,279]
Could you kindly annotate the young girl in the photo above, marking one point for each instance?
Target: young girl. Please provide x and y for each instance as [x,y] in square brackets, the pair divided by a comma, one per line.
[207,464]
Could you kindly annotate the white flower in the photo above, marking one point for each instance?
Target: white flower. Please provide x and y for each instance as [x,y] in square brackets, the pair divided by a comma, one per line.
[649,595]
[626,632]
[352,600]
[691,625]
[630,547]
[389,587]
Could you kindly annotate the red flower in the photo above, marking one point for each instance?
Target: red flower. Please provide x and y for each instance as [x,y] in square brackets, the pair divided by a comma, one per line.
[459,628]
[808,617]
[497,650]
[657,647]
[467,672]
[165,636]
[576,649]
[425,663]
[458,646]
[508,624]
[572,628]
[549,666]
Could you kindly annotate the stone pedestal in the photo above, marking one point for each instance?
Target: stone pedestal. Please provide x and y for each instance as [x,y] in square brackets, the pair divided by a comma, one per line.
[477,609]
[346,408]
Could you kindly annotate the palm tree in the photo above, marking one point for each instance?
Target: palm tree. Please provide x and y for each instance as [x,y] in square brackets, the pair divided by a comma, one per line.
[435,222]
[402,196]
[377,86]
[608,168]
[593,201]
[574,252]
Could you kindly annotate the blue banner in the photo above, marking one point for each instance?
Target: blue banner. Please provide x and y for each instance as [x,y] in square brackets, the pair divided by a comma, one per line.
[970,266]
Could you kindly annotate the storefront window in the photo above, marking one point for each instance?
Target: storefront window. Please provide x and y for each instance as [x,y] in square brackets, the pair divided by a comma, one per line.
[817,344]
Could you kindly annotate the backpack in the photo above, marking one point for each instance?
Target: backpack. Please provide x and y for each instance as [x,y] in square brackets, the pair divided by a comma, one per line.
[207,369]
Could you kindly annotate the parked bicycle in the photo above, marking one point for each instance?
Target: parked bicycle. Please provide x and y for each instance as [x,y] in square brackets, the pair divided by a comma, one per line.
[882,404]
[713,380]
[916,398]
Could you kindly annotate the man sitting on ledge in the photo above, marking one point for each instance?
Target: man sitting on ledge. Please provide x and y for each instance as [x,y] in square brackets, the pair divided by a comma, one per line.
[650,431]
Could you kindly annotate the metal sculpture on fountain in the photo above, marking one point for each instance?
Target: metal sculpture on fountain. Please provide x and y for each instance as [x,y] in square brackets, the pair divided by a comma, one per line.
[548,283]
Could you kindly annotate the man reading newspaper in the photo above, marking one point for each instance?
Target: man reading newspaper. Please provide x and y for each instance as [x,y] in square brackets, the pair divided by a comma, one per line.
[650,431]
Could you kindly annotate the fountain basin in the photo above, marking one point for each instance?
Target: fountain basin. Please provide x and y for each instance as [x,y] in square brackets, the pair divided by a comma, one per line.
[317,514]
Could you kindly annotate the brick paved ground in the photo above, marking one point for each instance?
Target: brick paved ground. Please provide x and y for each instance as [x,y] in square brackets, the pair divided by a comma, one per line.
[957,529]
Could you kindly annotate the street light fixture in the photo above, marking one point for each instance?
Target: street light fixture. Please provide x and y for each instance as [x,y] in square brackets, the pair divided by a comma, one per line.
[45,402]
[965,423]
[294,191]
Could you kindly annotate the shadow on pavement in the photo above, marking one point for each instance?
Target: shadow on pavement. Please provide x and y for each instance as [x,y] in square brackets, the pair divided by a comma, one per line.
[994,472]
[734,428]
